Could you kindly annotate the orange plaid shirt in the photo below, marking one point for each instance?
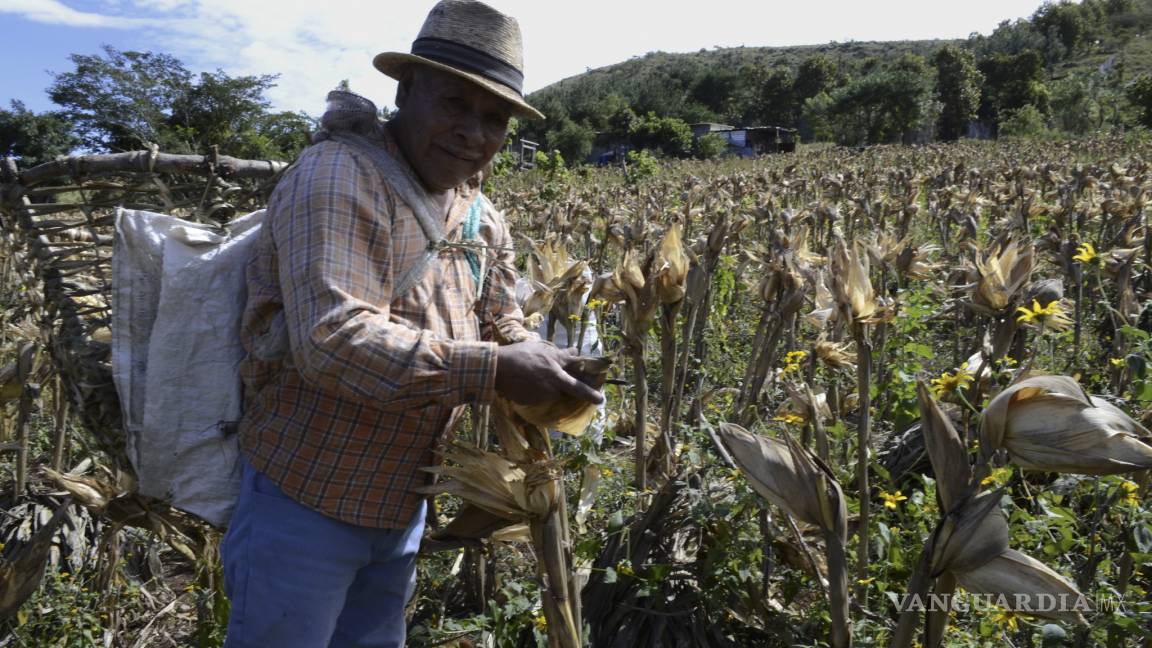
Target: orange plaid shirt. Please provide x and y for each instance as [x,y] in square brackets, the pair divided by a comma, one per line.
[346,419]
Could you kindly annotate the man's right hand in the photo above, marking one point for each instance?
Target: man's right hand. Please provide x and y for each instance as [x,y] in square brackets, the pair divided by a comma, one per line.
[536,372]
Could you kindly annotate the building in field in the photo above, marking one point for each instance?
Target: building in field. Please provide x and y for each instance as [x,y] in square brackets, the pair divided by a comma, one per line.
[750,141]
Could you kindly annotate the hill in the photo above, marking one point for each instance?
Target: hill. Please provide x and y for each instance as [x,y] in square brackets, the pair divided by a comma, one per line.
[1074,64]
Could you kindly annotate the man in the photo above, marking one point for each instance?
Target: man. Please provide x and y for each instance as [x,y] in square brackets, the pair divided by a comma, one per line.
[321,547]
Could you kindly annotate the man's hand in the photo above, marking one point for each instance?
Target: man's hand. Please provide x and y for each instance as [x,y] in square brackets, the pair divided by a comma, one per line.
[535,372]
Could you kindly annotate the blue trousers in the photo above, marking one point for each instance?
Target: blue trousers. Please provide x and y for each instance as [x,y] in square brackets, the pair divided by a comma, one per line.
[300,579]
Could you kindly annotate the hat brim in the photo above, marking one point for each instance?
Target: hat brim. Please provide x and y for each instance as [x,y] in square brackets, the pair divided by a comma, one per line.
[393,64]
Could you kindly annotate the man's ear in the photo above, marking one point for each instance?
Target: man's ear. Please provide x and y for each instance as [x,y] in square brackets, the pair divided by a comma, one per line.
[401,94]
[405,86]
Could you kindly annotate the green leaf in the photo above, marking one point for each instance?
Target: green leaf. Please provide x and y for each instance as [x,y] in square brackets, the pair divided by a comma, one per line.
[616,521]
[1133,332]
[1145,393]
[921,350]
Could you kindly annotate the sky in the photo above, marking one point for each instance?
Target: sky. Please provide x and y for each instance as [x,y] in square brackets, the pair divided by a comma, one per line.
[314,45]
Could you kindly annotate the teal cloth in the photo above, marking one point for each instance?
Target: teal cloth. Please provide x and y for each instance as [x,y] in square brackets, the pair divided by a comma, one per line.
[470,232]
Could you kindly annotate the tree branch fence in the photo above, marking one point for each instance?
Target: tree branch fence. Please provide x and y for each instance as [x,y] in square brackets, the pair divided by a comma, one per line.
[56,237]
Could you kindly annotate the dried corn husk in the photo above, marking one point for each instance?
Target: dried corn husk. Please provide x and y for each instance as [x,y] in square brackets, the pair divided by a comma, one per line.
[515,492]
[671,266]
[92,493]
[569,415]
[850,283]
[22,567]
[1050,423]
[836,356]
[825,303]
[472,522]
[999,277]
[789,476]
[945,450]
[803,401]
[1028,585]
[970,536]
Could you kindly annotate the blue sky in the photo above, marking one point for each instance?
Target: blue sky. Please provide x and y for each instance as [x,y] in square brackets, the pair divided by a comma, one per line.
[314,45]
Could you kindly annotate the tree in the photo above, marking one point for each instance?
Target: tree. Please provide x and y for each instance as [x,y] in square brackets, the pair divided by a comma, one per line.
[815,75]
[573,141]
[1064,28]
[1010,83]
[1074,105]
[709,146]
[958,89]
[1009,38]
[715,88]
[122,100]
[34,139]
[884,106]
[218,109]
[770,97]
[1026,122]
[129,100]
[1140,95]
[816,116]
[668,135]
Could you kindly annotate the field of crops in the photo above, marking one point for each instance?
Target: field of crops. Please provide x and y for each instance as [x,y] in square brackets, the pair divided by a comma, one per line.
[882,397]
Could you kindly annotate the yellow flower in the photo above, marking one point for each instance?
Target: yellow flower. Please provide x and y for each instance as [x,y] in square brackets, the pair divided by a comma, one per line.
[795,356]
[1131,492]
[892,500]
[541,623]
[866,581]
[1050,317]
[997,477]
[790,419]
[1116,362]
[605,471]
[793,360]
[625,567]
[1087,254]
[1006,619]
[575,317]
[948,383]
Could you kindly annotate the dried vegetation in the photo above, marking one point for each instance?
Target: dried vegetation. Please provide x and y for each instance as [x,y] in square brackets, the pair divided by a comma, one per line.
[836,379]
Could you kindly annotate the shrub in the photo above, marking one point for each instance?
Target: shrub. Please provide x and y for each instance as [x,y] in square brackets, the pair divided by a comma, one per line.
[1025,122]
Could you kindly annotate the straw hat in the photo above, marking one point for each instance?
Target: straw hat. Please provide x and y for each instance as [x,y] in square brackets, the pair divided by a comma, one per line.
[473,41]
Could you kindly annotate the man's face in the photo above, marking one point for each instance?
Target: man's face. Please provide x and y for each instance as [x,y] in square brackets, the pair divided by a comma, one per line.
[448,128]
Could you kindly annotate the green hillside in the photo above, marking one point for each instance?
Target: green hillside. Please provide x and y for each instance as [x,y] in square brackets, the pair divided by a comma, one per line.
[1069,68]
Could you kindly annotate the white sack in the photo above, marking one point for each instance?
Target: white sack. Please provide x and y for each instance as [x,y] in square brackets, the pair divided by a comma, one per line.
[178,294]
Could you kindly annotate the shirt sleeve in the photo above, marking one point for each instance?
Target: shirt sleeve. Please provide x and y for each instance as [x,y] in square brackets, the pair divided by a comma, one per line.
[331,223]
[501,319]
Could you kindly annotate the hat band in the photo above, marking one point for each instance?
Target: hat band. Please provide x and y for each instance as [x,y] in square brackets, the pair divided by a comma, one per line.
[469,59]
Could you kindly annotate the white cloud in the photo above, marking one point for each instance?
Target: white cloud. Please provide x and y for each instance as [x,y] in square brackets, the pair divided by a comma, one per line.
[53,12]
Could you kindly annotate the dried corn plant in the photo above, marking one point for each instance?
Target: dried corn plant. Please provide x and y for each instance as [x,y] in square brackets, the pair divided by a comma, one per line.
[797,481]
[521,486]
[797,287]
[969,547]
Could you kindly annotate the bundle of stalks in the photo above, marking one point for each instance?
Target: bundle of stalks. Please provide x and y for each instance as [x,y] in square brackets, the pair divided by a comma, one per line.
[520,488]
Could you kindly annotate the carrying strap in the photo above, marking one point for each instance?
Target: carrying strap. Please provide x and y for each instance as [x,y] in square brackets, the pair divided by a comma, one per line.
[426,210]
[470,231]
[422,205]
[274,344]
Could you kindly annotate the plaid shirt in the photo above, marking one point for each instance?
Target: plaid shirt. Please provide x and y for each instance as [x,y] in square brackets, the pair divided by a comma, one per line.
[345,420]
